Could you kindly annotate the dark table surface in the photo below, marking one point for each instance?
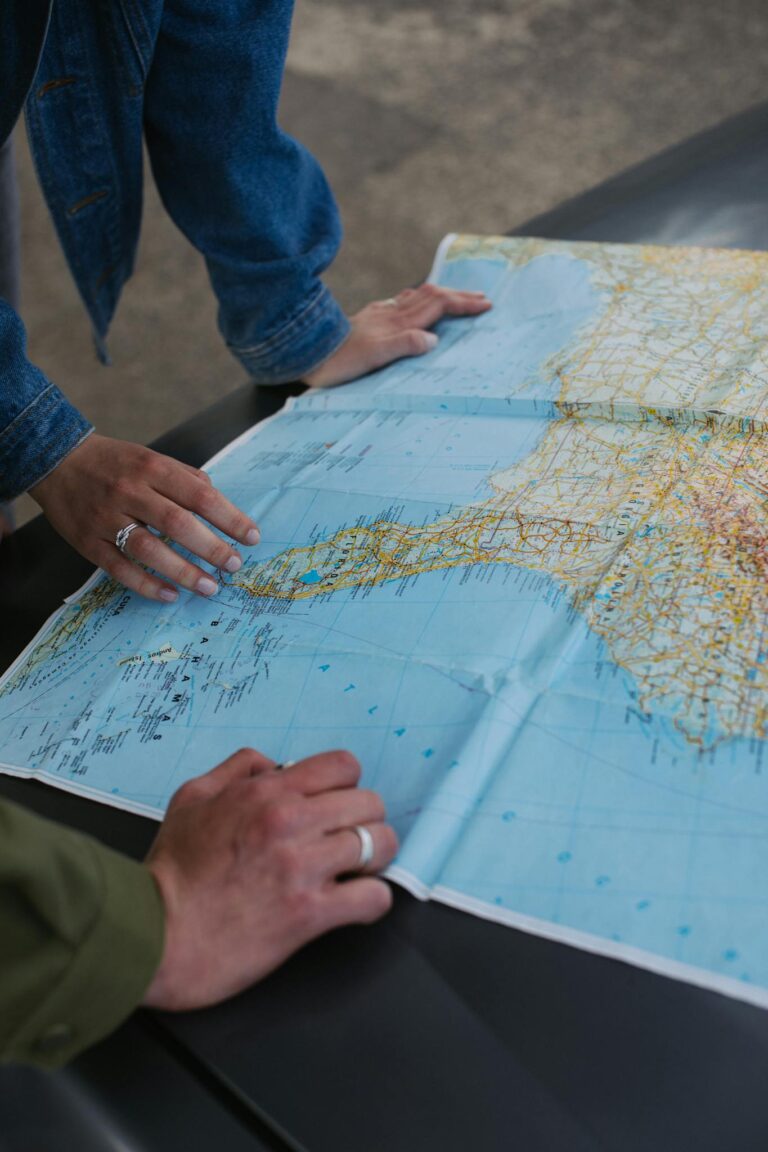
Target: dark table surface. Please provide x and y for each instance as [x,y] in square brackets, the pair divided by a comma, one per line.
[433,1029]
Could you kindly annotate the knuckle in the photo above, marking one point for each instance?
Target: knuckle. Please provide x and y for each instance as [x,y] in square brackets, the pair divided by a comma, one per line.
[431,291]
[182,572]
[188,792]
[220,553]
[152,464]
[104,554]
[141,546]
[176,521]
[389,842]
[205,499]
[279,817]
[245,756]
[415,341]
[349,763]
[378,901]
[374,805]
[147,587]
[121,487]
[384,898]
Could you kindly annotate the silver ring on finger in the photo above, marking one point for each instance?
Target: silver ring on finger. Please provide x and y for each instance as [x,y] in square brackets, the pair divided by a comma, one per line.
[121,539]
[366,845]
[391,302]
[282,766]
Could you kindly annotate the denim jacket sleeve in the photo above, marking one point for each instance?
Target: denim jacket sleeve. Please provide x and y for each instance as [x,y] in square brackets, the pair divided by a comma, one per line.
[250,198]
[38,425]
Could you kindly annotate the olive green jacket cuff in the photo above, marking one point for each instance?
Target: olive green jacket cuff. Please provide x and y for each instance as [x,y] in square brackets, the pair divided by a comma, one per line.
[81,936]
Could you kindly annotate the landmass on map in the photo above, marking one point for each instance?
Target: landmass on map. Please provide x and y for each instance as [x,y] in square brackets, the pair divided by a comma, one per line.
[645,498]
[522,578]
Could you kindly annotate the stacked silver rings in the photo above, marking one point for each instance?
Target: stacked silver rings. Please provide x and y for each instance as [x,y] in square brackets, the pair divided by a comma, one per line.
[121,539]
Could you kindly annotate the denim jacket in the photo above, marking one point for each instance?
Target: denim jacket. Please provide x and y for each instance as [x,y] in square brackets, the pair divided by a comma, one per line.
[199,82]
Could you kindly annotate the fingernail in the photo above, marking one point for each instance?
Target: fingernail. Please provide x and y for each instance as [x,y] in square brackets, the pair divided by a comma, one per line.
[206,587]
[234,564]
[431,340]
[168,595]
[252,536]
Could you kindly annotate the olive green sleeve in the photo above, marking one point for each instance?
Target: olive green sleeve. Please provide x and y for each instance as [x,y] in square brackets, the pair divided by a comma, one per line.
[81,935]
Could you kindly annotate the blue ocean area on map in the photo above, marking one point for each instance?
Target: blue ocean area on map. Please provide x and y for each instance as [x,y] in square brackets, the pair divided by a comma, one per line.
[452,582]
[478,368]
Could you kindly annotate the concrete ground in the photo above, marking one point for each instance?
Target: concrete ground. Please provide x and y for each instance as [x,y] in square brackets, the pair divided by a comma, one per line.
[429,116]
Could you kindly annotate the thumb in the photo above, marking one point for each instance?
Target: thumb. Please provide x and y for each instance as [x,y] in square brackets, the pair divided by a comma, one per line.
[411,342]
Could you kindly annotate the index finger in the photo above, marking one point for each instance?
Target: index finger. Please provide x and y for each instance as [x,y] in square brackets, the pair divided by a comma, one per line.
[240,765]
[323,772]
[431,303]
[200,497]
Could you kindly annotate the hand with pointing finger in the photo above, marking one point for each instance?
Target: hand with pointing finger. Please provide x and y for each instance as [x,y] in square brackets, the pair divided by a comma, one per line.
[103,486]
[388,330]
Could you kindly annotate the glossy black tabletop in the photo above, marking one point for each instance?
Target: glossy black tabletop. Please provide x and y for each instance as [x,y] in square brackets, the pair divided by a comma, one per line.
[434,1030]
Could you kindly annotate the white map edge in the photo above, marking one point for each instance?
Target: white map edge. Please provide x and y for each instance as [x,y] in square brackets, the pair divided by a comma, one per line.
[452,898]
[83,789]
[584,941]
[439,260]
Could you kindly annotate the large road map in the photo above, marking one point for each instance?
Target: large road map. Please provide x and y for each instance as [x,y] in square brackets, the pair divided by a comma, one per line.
[524,578]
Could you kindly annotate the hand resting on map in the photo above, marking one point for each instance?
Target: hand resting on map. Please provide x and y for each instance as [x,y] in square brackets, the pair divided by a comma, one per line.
[252,864]
[105,485]
[389,330]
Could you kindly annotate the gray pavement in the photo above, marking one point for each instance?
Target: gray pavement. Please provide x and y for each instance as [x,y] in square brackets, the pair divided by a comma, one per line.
[429,116]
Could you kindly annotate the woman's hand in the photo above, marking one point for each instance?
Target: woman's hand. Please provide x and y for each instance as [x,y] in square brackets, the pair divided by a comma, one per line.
[104,485]
[388,330]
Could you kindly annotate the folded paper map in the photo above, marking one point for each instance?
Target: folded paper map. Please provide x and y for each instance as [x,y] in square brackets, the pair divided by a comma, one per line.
[524,578]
